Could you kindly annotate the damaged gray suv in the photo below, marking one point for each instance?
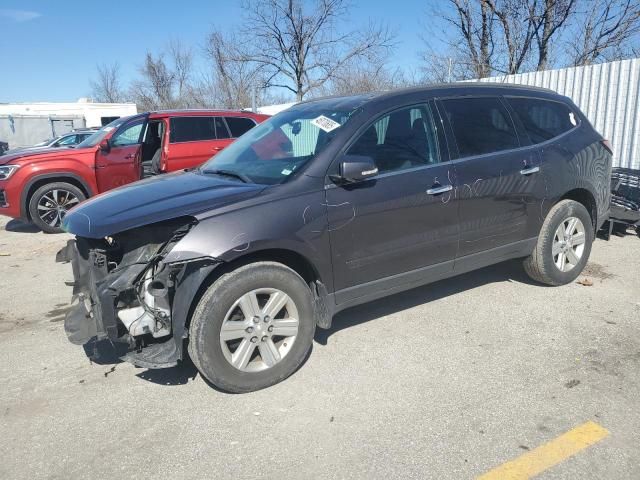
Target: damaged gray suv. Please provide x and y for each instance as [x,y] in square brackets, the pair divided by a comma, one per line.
[330,204]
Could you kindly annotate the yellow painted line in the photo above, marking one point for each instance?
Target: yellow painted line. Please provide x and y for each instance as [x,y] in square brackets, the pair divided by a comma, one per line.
[551,453]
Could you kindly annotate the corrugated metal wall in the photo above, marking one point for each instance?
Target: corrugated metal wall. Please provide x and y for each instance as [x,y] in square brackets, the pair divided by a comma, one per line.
[608,94]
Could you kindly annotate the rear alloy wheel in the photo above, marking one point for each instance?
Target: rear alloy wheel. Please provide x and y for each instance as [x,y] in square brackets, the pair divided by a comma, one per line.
[252,328]
[50,203]
[563,246]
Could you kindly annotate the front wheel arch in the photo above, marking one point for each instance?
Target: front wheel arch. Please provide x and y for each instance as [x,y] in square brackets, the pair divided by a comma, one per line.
[36,182]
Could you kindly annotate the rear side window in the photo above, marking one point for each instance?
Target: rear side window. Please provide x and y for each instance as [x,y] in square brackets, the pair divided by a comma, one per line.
[192,129]
[480,125]
[543,119]
[239,125]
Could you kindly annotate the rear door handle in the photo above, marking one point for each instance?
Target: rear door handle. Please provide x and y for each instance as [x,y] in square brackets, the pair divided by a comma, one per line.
[529,170]
[217,149]
[438,190]
[131,155]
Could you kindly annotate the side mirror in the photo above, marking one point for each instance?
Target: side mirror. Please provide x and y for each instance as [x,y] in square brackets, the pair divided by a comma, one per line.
[105,146]
[356,168]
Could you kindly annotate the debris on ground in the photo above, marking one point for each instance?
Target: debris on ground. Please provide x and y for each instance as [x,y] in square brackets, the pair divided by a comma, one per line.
[572,383]
[585,282]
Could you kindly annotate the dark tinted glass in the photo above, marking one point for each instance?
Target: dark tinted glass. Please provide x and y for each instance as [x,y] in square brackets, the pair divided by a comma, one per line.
[239,125]
[543,119]
[402,139]
[221,128]
[480,125]
[192,129]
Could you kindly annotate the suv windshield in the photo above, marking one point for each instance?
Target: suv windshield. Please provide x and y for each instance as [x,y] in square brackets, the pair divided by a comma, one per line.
[269,153]
[97,137]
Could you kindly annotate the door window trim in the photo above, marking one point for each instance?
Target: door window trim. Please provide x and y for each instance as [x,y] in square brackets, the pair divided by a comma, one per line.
[449,128]
[440,136]
[195,141]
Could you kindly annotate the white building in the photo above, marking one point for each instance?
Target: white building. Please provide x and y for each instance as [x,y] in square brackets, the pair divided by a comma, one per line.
[23,124]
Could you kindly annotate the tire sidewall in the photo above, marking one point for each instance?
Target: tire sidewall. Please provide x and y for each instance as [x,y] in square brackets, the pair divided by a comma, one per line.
[212,309]
[566,210]
[37,195]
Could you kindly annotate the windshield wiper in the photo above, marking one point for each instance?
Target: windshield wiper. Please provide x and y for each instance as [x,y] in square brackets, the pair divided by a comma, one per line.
[229,173]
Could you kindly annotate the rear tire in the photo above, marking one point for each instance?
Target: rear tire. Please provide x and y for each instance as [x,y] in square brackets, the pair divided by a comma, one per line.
[558,257]
[49,204]
[240,313]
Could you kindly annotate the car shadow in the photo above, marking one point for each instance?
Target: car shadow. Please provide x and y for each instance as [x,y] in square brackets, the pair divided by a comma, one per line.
[18,226]
[506,271]
[181,374]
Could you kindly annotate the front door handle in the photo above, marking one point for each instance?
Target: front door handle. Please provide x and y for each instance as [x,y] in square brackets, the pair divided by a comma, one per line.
[438,190]
[529,170]
[217,149]
[130,156]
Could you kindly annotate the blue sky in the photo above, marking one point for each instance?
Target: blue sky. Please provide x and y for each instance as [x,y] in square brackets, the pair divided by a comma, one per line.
[49,50]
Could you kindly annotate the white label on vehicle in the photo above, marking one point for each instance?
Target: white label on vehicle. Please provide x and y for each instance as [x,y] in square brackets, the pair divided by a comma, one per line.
[108,129]
[286,171]
[572,119]
[325,123]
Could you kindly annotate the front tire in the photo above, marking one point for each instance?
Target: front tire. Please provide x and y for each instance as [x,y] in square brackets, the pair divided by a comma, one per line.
[564,245]
[49,204]
[244,334]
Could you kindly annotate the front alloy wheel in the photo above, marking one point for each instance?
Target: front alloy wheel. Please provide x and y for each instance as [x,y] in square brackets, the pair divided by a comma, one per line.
[253,327]
[259,329]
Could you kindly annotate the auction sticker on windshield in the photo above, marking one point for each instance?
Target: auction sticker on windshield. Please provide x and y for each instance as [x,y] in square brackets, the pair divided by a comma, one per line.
[325,123]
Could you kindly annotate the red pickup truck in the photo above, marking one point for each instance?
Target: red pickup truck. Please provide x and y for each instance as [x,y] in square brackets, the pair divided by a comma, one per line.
[41,187]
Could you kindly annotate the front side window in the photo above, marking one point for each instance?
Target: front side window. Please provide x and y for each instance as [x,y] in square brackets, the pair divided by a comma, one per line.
[405,138]
[192,129]
[239,125]
[480,125]
[543,119]
[129,135]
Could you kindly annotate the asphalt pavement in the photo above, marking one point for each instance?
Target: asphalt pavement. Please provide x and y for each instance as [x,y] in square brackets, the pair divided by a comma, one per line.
[446,381]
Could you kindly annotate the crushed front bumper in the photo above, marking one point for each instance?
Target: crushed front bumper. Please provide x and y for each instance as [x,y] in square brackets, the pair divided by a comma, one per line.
[115,279]
[97,292]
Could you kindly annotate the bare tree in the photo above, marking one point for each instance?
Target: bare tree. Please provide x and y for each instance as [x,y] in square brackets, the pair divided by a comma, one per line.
[107,86]
[298,47]
[363,77]
[470,38]
[608,30]
[503,36]
[231,82]
[165,83]
[550,17]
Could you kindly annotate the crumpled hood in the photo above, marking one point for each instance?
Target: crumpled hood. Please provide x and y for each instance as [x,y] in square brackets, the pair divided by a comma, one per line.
[153,200]
[39,154]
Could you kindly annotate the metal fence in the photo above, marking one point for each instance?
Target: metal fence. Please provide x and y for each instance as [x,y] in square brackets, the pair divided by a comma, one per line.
[608,94]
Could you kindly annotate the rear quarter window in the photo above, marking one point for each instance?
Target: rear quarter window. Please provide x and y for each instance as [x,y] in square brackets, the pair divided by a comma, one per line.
[543,119]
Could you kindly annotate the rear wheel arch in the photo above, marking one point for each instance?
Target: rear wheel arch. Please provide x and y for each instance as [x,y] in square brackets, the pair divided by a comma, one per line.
[586,198]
